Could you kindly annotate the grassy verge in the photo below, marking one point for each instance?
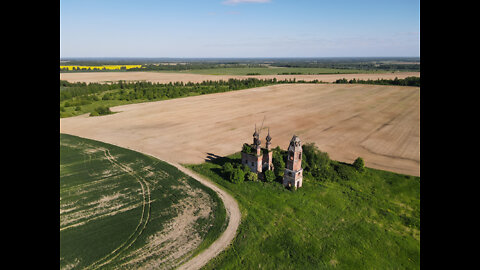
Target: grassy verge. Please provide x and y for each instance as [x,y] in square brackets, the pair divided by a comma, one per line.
[370,220]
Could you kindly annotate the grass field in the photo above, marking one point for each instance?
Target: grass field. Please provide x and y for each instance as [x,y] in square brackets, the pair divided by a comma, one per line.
[123,209]
[369,222]
[272,71]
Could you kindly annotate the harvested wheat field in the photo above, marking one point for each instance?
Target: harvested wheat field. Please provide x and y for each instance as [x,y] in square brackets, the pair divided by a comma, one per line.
[379,123]
[160,77]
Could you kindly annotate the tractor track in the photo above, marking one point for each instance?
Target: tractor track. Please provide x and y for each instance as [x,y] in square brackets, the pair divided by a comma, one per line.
[143,219]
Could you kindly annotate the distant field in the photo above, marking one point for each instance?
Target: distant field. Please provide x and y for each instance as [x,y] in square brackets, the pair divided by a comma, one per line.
[371,221]
[123,209]
[274,71]
[166,77]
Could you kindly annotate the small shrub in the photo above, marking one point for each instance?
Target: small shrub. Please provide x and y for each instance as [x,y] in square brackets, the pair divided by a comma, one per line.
[359,165]
[247,149]
[251,176]
[107,96]
[101,110]
[269,176]
[78,108]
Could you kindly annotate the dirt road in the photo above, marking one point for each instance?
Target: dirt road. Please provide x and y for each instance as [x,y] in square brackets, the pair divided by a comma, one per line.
[233,215]
[187,77]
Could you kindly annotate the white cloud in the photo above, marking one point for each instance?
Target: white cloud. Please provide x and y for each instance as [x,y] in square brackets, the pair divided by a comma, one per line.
[234,2]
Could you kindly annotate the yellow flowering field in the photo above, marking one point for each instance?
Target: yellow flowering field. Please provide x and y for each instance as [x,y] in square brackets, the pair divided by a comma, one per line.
[107,67]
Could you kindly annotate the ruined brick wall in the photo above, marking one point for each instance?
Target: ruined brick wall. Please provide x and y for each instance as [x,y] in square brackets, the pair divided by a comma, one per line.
[253,162]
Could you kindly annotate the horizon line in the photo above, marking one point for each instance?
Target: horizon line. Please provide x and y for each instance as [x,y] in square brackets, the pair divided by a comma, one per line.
[246,57]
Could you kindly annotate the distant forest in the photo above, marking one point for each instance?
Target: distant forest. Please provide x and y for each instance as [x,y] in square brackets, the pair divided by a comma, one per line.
[363,63]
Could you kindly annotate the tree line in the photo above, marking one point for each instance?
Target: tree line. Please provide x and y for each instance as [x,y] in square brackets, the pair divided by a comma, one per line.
[151,90]
[408,81]
[190,66]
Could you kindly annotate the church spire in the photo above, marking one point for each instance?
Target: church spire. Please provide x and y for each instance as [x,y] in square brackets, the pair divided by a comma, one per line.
[268,138]
[256,139]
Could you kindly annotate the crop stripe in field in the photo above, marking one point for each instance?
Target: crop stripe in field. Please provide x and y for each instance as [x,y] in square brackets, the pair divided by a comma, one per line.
[145,211]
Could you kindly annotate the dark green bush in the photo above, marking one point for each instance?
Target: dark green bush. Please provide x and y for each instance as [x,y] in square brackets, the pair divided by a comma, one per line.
[278,162]
[237,176]
[269,176]
[247,148]
[315,161]
[101,110]
[345,171]
[359,165]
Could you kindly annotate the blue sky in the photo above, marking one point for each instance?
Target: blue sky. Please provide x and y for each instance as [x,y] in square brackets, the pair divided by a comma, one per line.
[239,28]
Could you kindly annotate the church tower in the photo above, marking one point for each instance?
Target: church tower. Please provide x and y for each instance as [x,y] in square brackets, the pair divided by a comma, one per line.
[268,154]
[293,175]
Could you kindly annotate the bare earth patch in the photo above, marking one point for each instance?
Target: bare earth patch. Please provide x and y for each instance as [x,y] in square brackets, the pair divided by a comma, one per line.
[188,77]
[178,238]
[379,123]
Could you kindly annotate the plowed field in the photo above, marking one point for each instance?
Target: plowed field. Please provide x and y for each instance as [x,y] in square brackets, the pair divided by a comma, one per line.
[381,124]
[187,77]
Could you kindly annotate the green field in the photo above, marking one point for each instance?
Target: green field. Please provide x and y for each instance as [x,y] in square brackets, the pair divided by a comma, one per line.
[272,71]
[123,209]
[370,220]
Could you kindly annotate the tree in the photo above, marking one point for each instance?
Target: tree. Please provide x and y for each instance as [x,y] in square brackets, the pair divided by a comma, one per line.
[278,163]
[245,168]
[237,176]
[269,176]
[314,159]
[227,170]
[359,164]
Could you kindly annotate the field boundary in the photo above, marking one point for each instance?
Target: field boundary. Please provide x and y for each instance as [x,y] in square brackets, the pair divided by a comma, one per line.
[233,216]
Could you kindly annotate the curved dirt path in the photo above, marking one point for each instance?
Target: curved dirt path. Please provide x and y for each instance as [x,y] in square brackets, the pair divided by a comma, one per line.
[233,215]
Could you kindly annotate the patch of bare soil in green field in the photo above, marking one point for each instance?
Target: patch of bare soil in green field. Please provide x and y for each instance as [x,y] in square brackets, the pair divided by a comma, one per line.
[134,189]
[178,237]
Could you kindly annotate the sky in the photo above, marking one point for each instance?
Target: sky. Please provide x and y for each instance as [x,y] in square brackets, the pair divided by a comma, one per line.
[239,28]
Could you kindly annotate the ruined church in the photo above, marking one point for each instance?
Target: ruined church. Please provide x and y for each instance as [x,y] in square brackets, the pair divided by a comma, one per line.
[259,159]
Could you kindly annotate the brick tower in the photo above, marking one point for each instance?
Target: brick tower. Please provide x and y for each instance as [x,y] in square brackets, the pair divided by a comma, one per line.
[258,159]
[253,157]
[293,175]
[268,154]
